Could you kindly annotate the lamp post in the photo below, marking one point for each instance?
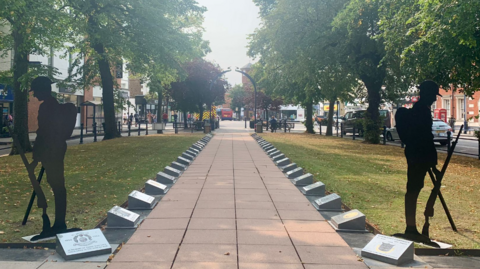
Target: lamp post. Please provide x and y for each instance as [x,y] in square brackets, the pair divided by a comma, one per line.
[254,97]
[212,126]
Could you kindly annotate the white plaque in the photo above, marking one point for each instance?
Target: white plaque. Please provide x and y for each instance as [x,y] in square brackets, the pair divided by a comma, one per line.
[188,156]
[140,200]
[331,202]
[118,217]
[316,189]
[179,166]
[288,168]
[184,161]
[389,249]
[82,244]
[155,188]
[165,178]
[295,173]
[278,157]
[303,180]
[351,221]
[172,171]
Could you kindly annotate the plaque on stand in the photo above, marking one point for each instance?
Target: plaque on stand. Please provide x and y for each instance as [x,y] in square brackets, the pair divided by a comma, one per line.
[155,188]
[295,173]
[282,162]
[191,152]
[184,161]
[140,201]
[303,180]
[188,156]
[331,202]
[389,250]
[273,153]
[315,189]
[288,168]
[271,150]
[351,221]
[82,244]
[172,171]
[278,157]
[179,166]
[165,178]
[118,217]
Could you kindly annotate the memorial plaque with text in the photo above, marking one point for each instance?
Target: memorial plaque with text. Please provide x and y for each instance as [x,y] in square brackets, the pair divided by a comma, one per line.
[303,180]
[172,171]
[188,156]
[155,188]
[82,244]
[288,168]
[278,157]
[331,202]
[297,172]
[191,152]
[315,189]
[184,161]
[179,166]
[389,249]
[118,217]
[350,221]
[165,178]
[282,162]
[140,200]
[271,150]
[276,152]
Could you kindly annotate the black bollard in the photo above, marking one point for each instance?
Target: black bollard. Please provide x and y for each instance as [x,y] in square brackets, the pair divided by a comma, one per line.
[146,127]
[81,133]
[245,122]
[285,125]
[336,124]
[95,132]
[129,128]
[119,127]
[176,127]
[139,124]
[354,132]
[341,130]
[384,135]
[449,142]
[320,123]
[479,149]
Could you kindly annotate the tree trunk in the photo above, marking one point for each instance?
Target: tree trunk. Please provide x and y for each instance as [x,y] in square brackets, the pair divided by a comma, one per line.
[331,110]
[20,102]
[185,124]
[110,131]
[309,121]
[372,124]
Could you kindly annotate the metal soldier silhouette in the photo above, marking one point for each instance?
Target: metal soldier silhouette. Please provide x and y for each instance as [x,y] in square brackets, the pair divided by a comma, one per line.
[55,125]
[415,129]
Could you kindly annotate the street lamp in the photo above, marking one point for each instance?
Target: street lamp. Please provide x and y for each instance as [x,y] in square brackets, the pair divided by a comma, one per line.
[212,126]
[255,95]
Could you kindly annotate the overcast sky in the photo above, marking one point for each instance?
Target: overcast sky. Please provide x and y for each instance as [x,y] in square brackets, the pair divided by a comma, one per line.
[227,25]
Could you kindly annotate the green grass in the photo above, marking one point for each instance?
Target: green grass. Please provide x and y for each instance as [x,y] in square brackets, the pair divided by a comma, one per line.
[372,179]
[98,176]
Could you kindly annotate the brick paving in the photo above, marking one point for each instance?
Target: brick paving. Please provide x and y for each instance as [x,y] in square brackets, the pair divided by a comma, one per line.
[233,208]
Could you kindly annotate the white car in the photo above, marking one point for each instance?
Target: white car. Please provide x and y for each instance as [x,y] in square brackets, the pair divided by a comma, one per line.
[439,131]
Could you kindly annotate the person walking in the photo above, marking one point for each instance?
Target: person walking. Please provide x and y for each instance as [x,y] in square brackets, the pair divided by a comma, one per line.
[273,124]
[130,119]
[136,119]
[165,119]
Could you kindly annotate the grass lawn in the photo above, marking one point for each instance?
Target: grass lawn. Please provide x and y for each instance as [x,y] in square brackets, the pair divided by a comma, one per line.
[372,179]
[98,176]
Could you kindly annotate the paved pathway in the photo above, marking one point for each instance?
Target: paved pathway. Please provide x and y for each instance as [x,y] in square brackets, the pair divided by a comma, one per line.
[233,208]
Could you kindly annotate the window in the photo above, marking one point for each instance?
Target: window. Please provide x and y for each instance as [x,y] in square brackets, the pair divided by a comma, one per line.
[447,106]
[460,108]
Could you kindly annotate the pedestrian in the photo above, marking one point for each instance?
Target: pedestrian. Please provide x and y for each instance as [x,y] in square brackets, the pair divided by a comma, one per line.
[175,117]
[130,119]
[415,129]
[137,119]
[273,124]
[165,119]
[154,118]
[125,118]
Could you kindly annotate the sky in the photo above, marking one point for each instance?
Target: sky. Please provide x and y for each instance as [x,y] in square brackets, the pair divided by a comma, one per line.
[227,25]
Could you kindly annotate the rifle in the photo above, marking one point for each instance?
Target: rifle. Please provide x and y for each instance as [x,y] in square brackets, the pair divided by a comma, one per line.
[32,198]
[41,201]
[429,210]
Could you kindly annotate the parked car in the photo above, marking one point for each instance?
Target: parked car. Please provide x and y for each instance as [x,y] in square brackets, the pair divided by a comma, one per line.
[355,119]
[439,131]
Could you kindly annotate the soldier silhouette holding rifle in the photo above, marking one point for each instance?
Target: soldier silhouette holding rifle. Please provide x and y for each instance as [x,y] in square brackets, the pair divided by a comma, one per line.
[55,126]
[415,129]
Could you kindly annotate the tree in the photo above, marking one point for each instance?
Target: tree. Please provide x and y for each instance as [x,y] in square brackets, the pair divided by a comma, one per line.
[30,26]
[237,94]
[194,94]
[161,33]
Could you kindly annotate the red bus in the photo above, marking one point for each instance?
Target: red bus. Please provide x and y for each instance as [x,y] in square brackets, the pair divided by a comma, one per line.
[227,114]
